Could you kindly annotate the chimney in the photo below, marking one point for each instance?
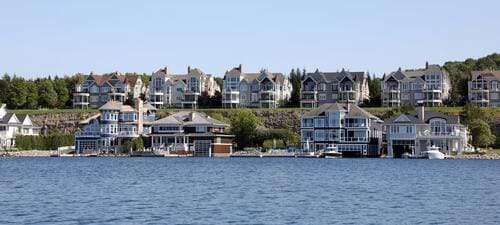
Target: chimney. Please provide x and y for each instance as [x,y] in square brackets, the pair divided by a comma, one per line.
[426,65]
[192,116]
[421,113]
[189,69]
[240,67]
[140,114]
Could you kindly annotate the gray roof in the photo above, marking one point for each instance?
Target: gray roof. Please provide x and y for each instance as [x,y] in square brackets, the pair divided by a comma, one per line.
[189,118]
[336,76]
[414,74]
[413,117]
[111,105]
[487,75]
[7,117]
[354,110]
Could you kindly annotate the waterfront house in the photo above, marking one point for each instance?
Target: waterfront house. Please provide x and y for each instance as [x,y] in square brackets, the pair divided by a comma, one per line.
[427,87]
[180,90]
[115,124]
[12,125]
[414,132]
[191,133]
[350,128]
[95,90]
[484,88]
[333,87]
[259,90]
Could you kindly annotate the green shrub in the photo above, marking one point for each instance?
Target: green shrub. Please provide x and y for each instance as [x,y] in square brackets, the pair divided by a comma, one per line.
[44,142]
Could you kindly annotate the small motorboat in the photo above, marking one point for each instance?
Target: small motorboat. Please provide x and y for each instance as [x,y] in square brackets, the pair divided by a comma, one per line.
[331,152]
[433,153]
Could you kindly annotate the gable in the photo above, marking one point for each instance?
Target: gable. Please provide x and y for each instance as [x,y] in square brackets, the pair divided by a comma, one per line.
[13,119]
[27,121]
[402,119]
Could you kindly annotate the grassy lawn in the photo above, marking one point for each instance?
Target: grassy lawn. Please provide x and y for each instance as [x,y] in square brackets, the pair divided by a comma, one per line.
[47,111]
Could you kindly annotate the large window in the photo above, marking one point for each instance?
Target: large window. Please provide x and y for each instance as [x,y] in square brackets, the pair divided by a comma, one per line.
[194,84]
[438,126]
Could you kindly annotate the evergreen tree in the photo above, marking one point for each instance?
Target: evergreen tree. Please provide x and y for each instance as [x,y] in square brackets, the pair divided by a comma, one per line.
[62,92]
[4,88]
[47,94]
[18,93]
[295,80]
[32,95]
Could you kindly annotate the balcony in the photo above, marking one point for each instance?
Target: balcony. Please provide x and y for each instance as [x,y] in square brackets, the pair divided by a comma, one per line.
[479,90]
[83,134]
[83,94]
[447,135]
[391,90]
[354,139]
[128,134]
[432,90]
[230,91]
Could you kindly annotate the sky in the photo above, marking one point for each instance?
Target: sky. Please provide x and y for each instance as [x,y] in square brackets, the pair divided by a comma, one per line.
[50,37]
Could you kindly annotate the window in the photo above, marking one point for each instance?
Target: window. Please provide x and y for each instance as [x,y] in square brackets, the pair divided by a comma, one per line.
[418,96]
[494,96]
[94,89]
[322,97]
[254,97]
[94,98]
[405,96]
[334,87]
[319,135]
[319,122]
[104,98]
[201,129]
[335,96]
[104,89]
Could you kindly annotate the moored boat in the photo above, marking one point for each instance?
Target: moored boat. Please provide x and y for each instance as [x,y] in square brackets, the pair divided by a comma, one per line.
[433,153]
[331,152]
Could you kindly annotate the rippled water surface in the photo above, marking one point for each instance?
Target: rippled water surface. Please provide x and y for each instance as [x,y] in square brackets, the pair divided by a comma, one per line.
[248,191]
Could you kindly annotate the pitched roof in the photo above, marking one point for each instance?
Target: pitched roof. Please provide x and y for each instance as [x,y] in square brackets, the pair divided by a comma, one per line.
[486,74]
[413,118]
[416,74]
[7,117]
[111,105]
[189,118]
[354,110]
[336,76]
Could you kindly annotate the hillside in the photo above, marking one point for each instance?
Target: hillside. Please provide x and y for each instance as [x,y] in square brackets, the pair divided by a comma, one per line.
[67,120]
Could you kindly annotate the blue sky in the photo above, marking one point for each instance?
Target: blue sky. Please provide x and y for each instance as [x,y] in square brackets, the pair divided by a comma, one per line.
[49,37]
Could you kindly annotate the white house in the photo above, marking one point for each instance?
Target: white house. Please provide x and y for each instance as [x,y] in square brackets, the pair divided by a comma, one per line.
[414,132]
[12,125]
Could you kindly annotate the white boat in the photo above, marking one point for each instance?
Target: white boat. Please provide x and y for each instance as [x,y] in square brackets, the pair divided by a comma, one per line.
[433,153]
[331,152]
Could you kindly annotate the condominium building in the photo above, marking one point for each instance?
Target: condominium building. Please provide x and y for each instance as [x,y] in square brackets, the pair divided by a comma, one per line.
[351,129]
[115,124]
[180,90]
[12,125]
[415,132]
[96,90]
[484,88]
[319,88]
[261,90]
[191,133]
[427,87]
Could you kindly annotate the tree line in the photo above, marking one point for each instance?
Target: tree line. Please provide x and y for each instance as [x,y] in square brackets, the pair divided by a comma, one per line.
[21,93]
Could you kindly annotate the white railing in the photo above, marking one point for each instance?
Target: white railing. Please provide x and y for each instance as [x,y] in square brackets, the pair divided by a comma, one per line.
[127,133]
[87,134]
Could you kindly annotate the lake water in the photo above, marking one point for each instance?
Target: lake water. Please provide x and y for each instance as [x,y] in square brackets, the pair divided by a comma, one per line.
[248,191]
